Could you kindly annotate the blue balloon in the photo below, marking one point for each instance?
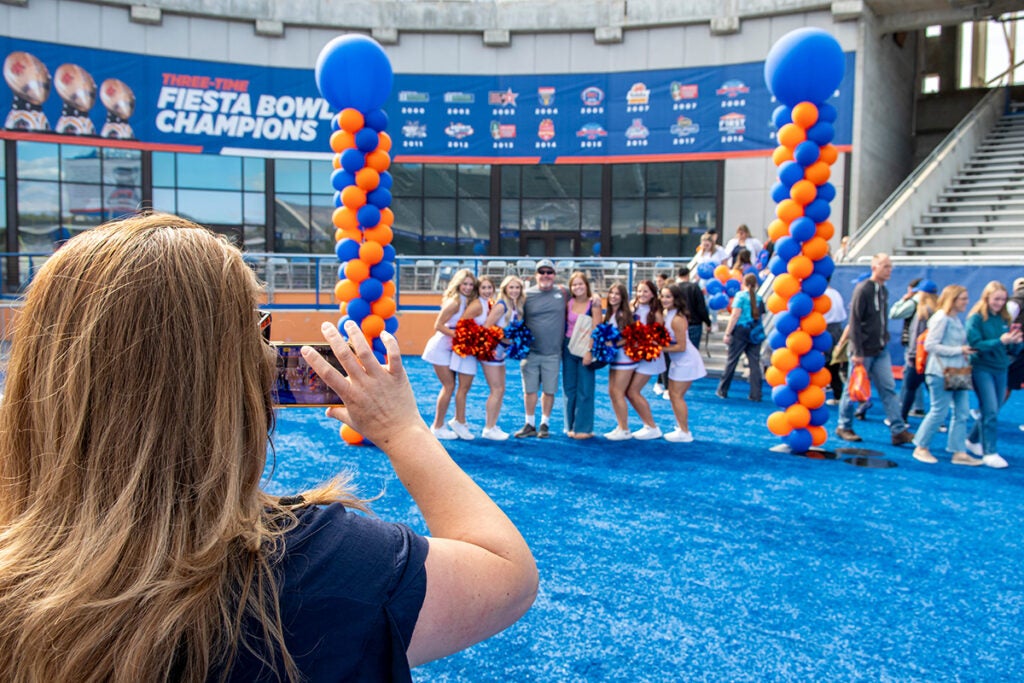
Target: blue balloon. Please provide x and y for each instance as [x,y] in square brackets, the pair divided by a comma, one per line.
[786,322]
[479,248]
[807,152]
[380,198]
[706,270]
[715,287]
[776,265]
[802,229]
[786,248]
[822,132]
[818,211]
[341,325]
[347,250]
[381,357]
[781,116]
[805,65]
[815,285]
[391,324]
[367,140]
[358,309]
[383,271]
[784,396]
[377,119]
[341,179]
[341,270]
[812,361]
[335,123]
[825,267]
[352,160]
[820,416]
[337,200]
[798,440]
[368,216]
[732,287]
[826,192]
[822,342]
[596,249]
[389,253]
[718,302]
[378,346]
[790,172]
[827,113]
[776,340]
[353,71]
[800,304]
[797,379]
[779,192]
[371,289]
[386,181]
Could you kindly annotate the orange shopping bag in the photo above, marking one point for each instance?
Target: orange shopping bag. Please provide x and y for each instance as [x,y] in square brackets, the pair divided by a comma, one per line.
[860,385]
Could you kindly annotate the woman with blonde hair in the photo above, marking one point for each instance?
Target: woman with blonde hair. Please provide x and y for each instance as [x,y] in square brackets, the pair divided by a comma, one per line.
[621,369]
[646,310]
[946,345]
[135,542]
[577,377]
[460,292]
[507,309]
[989,330]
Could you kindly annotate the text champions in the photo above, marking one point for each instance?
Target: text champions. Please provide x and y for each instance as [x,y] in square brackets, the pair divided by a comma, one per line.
[200,105]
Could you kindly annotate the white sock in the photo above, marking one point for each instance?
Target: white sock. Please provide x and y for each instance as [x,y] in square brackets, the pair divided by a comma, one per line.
[529,420]
[544,419]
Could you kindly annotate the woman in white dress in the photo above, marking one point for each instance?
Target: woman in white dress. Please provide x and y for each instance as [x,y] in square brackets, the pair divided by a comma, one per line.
[465,367]
[506,310]
[460,292]
[646,310]
[622,367]
[686,364]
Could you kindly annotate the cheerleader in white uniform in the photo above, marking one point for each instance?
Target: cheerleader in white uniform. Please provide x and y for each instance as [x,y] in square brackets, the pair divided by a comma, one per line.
[465,366]
[622,367]
[506,310]
[686,365]
[647,310]
[461,292]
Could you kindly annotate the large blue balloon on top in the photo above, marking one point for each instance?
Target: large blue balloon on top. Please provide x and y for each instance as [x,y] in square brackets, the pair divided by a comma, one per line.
[805,65]
[353,71]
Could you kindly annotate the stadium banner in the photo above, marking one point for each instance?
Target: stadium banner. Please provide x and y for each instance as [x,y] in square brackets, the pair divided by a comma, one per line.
[216,107]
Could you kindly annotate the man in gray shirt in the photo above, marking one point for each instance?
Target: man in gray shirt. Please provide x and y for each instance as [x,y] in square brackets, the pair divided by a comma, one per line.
[544,315]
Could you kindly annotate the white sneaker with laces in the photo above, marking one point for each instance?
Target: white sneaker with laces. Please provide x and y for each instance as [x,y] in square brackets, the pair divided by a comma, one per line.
[995,461]
[494,433]
[444,434]
[679,436]
[973,448]
[618,435]
[461,430]
[659,389]
[646,433]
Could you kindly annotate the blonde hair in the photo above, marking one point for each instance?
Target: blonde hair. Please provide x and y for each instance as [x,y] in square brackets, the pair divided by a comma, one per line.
[982,308]
[949,296]
[452,290]
[510,303]
[135,538]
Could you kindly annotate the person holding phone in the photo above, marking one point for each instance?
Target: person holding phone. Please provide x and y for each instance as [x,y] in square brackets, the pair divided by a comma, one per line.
[137,544]
[990,331]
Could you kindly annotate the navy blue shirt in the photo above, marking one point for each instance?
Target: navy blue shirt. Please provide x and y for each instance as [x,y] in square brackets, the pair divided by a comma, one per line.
[351,588]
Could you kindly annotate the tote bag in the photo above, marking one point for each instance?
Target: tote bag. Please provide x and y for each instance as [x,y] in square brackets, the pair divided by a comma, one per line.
[580,341]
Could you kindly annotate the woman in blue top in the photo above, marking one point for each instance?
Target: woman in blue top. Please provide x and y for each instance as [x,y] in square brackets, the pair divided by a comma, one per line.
[990,333]
[946,345]
[746,310]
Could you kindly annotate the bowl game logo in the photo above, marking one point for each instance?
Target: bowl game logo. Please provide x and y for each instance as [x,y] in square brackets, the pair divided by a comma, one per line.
[732,88]
[546,95]
[413,96]
[684,126]
[638,94]
[459,98]
[414,129]
[732,123]
[546,130]
[592,96]
[458,130]
[502,98]
[637,130]
[503,131]
[591,131]
[680,91]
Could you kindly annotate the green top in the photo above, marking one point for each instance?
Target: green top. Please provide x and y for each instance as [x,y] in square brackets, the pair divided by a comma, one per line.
[983,335]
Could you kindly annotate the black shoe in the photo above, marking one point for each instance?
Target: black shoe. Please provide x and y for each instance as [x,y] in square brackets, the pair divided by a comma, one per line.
[916,413]
[720,394]
[527,430]
[542,433]
[847,435]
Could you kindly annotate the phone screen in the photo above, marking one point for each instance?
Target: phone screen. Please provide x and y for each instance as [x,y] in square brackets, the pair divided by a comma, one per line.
[296,384]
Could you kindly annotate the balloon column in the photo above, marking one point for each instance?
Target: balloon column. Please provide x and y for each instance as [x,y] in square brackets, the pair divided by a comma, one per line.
[802,70]
[354,76]
[722,285]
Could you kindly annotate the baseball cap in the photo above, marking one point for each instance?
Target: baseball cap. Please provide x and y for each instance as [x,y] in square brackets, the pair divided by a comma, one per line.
[927,286]
[1018,284]
[545,263]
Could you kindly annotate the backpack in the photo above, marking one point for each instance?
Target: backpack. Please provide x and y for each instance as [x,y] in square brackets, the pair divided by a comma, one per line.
[921,356]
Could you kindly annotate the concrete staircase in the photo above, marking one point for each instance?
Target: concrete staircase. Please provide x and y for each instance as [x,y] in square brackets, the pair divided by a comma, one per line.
[981,212]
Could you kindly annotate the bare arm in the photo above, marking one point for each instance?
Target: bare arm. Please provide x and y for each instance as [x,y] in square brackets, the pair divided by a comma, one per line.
[481,576]
[733,317]
[447,311]
[680,327]
[497,310]
[473,309]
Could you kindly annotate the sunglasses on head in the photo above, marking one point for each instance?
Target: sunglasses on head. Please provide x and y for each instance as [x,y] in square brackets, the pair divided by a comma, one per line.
[545,271]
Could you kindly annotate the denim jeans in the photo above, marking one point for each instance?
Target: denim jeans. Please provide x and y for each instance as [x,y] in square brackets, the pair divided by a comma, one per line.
[882,382]
[578,385]
[909,394]
[990,388]
[940,403]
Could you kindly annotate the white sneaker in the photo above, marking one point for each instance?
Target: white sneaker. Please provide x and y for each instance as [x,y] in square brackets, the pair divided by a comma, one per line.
[659,388]
[444,434]
[645,433]
[494,433]
[461,429]
[618,435]
[667,396]
[973,448]
[995,461]
[679,436]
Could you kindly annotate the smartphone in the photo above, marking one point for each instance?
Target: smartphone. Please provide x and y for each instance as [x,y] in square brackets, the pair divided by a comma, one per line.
[1014,327]
[296,385]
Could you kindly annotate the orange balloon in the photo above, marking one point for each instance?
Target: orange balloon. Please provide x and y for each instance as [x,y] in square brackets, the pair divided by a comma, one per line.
[372,326]
[381,233]
[800,266]
[813,324]
[341,140]
[788,210]
[350,436]
[378,160]
[345,218]
[389,289]
[352,234]
[351,120]
[357,270]
[777,229]
[825,230]
[799,342]
[346,290]
[339,234]
[791,135]
[805,115]
[778,424]
[367,179]
[385,307]
[812,397]
[385,142]
[722,273]
[822,304]
[736,274]
[371,252]
[803,192]
[776,304]
[774,376]
[829,154]
[819,435]
[786,285]
[822,378]
[798,416]
[343,308]
[781,155]
[815,249]
[336,161]
[353,197]
[818,173]
[784,359]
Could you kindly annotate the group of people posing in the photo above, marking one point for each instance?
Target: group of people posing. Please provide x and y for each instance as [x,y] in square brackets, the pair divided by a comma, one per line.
[561,320]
